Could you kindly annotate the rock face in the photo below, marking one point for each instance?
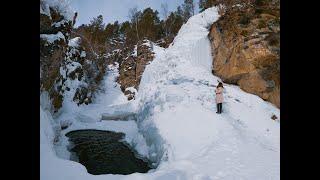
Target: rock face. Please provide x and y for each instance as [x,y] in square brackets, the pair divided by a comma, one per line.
[132,68]
[53,47]
[246,48]
[66,67]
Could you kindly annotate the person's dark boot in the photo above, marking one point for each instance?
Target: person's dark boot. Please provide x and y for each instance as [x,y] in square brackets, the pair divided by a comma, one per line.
[217,109]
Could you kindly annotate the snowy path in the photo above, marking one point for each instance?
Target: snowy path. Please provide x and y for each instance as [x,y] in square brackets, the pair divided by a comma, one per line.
[177,126]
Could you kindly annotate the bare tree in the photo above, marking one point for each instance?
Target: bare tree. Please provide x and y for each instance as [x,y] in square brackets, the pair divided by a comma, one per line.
[192,7]
[188,9]
[134,17]
[165,14]
[165,10]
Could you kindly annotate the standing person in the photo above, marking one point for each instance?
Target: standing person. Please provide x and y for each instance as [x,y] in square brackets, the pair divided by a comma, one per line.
[219,97]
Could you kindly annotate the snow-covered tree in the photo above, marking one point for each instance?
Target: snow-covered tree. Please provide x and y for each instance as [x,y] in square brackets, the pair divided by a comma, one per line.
[204,4]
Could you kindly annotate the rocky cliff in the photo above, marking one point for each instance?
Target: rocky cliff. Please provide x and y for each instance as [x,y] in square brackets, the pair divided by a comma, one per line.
[246,47]
[54,34]
[67,68]
[132,68]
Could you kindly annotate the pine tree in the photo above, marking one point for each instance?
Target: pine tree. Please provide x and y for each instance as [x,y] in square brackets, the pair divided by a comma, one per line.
[112,30]
[141,24]
[179,11]
[149,24]
[204,4]
[174,23]
[188,9]
[97,36]
[97,23]
[124,27]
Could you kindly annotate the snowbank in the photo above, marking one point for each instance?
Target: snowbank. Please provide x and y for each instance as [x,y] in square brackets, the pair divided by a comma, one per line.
[177,114]
[50,38]
[75,42]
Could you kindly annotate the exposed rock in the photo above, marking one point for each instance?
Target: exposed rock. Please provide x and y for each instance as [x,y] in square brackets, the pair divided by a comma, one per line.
[132,67]
[127,71]
[248,54]
[274,117]
[82,96]
[54,23]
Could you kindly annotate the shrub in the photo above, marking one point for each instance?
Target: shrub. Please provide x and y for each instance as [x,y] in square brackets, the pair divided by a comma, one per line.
[262,24]
[244,20]
[258,11]
[273,39]
[259,2]
[244,33]
[56,99]
[274,22]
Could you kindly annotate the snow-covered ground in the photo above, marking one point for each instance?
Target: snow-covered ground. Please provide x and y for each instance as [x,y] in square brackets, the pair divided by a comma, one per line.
[176,126]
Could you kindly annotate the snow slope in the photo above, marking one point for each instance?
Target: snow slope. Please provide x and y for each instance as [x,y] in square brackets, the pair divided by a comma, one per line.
[177,115]
[177,127]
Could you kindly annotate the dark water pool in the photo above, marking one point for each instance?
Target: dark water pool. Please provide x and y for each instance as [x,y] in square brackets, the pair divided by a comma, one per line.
[103,152]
